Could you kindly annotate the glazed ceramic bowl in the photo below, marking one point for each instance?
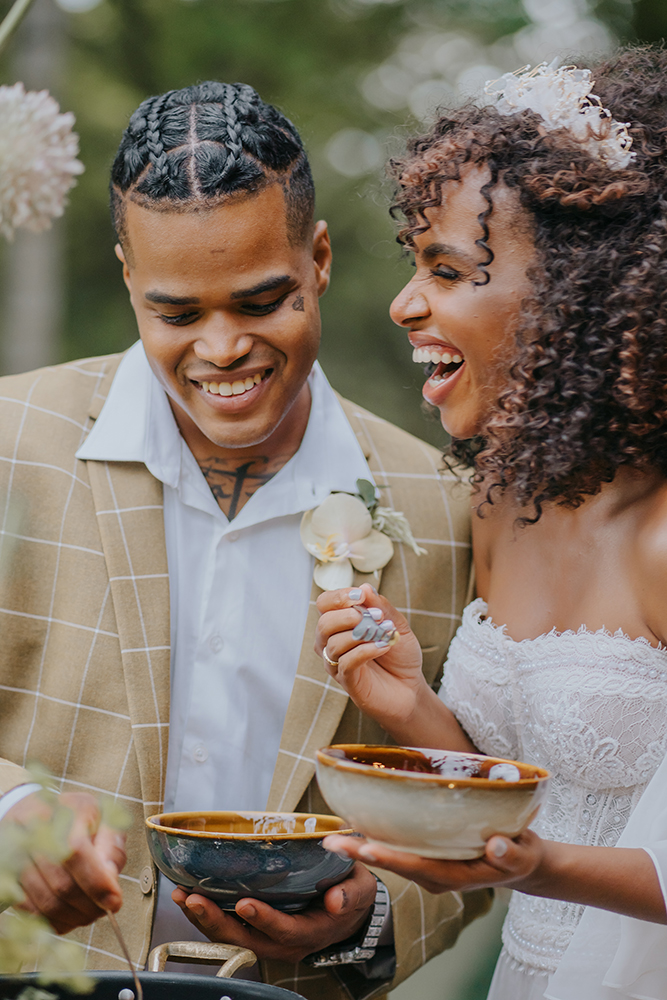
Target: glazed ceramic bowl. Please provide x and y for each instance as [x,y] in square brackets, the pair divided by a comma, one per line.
[227,856]
[434,803]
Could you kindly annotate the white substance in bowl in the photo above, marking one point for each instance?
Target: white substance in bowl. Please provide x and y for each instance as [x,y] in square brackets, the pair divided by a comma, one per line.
[504,772]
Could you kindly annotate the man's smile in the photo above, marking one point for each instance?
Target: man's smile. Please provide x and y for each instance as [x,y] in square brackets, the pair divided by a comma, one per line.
[237,387]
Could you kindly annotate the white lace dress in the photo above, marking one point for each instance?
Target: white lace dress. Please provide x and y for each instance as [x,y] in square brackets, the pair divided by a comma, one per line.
[589,706]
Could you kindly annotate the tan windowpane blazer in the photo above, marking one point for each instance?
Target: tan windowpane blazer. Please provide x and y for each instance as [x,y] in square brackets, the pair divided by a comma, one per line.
[84,639]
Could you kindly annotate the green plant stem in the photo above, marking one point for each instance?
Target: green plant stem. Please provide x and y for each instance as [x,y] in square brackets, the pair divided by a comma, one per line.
[12,20]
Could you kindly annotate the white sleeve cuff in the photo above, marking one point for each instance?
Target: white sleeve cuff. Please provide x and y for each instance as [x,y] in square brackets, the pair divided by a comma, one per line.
[10,798]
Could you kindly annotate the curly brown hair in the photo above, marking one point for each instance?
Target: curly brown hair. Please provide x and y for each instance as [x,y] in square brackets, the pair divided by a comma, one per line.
[587,391]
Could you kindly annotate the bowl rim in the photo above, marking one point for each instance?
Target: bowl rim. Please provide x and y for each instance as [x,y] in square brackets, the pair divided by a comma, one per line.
[154,823]
[359,767]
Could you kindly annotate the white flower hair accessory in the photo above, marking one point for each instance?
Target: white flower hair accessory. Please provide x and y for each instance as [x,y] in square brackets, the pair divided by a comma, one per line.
[38,163]
[352,531]
[562,97]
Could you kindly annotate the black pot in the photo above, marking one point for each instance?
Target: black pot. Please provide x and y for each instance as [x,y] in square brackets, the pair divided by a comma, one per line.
[156,986]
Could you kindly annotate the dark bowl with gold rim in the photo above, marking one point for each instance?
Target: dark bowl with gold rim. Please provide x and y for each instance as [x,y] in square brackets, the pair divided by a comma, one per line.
[226,856]
[434,803]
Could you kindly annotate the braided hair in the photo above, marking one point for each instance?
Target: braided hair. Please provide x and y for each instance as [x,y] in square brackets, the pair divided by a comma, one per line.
[203,143]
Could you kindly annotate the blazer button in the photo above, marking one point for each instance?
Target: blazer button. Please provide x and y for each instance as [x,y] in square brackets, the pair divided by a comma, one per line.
[146,880]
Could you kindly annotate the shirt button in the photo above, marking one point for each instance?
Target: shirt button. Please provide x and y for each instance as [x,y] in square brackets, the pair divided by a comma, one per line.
[200,753]
[146,880]
[233,536]
[215,643]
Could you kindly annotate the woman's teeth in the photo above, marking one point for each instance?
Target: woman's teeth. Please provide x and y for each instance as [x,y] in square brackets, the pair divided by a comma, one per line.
[233,388]
[422,356]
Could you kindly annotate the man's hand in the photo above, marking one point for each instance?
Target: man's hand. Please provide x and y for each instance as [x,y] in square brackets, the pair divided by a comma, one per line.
[85,885]
[341,912]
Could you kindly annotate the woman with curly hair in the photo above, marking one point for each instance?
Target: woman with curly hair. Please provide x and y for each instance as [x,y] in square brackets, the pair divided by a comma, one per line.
[538,226]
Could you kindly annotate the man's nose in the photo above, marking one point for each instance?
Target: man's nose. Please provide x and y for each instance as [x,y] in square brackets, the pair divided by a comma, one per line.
[409,306]
[221,342]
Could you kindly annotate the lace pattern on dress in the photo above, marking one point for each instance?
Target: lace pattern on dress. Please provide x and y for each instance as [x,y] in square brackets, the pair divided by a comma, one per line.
[591,707]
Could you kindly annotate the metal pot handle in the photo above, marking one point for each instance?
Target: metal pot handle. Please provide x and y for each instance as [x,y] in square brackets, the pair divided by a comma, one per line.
[232,957]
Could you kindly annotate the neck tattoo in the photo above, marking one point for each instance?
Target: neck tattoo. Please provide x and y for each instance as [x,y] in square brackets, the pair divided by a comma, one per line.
[233,482]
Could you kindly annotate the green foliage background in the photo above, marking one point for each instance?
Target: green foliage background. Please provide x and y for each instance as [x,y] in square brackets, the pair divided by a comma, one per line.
[306,56]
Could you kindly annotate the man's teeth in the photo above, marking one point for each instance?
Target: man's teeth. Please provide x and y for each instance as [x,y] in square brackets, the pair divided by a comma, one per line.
[422,356]
[233,388]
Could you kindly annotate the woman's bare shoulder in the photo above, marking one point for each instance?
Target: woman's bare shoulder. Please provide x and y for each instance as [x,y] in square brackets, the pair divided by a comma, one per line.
[649,553]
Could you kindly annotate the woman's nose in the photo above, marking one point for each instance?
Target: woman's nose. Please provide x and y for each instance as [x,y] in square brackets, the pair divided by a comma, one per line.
[409,306]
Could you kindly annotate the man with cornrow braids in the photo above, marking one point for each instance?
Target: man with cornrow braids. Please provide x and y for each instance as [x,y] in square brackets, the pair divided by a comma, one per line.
[157,605]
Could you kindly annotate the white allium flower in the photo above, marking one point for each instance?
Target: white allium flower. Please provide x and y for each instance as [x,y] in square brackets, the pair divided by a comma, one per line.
[563,98]
[38,163]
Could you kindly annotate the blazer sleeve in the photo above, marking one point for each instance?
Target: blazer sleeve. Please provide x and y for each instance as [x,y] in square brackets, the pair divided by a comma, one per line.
[12,775]
[424,926]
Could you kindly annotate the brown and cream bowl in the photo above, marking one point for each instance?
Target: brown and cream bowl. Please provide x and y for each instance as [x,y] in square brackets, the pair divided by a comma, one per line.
[227,856]
[435,803]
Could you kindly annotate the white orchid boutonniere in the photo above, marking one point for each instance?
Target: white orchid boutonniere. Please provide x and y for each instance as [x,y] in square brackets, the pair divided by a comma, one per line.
[352,531]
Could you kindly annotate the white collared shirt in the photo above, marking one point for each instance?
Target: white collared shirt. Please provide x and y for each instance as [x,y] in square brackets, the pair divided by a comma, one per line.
[239,592]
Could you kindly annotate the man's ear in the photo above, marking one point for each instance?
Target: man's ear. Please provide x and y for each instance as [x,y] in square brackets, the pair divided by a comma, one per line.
[118,250]
[322,256]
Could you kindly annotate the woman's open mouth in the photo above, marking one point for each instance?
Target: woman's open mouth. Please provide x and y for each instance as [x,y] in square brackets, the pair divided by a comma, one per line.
[440,363]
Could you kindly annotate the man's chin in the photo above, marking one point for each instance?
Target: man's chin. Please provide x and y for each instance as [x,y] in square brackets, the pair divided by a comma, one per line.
[239,435]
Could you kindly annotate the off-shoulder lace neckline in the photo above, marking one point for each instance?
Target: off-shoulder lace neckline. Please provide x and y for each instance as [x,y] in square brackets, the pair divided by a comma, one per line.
[477,610]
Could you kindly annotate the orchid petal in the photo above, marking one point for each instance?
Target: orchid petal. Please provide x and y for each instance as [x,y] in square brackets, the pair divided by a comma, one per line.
[334,575]
[343,515]
[372,552]
[308,536]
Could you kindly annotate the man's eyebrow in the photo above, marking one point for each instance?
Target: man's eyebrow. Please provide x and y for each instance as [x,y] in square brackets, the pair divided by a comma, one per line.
[171,300]
[446,249]
[264,286]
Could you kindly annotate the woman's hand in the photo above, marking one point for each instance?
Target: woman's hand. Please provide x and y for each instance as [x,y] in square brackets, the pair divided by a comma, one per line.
[384,681]
[621,879]
[505,862]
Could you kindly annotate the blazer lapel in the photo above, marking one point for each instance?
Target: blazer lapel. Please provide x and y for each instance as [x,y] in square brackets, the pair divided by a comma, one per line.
[318,701]
[129,505]
[129,513]
[313,716]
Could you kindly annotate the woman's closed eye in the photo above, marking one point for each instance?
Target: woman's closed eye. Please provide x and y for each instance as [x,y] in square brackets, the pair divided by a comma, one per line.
[448,273]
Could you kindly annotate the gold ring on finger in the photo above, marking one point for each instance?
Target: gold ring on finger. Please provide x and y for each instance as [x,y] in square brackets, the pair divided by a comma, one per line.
[332,663]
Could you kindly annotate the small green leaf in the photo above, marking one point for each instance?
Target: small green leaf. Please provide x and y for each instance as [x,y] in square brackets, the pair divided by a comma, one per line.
[367,493]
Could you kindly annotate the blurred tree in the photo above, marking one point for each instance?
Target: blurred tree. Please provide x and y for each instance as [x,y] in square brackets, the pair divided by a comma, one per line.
[650,20]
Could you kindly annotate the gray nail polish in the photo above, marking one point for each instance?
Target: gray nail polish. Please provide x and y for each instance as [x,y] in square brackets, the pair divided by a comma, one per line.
[375,614]
[355,594]
[387,625]
[382,644]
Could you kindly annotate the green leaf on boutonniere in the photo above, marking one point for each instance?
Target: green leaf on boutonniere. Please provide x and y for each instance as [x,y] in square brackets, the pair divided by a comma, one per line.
[367,493]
